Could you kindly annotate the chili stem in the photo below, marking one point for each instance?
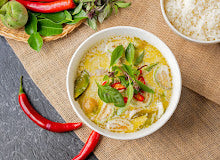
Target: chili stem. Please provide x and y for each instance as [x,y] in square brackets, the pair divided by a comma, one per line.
[21,91]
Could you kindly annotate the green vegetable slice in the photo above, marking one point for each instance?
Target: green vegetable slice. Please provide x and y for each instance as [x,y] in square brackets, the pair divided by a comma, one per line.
[81,83]
[130,93]
[105,113]
[162,77]
[110,95]
[148,98]
[119,125]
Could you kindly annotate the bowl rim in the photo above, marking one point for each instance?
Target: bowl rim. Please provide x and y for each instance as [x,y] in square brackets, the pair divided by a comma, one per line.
[178,32]
[154,127]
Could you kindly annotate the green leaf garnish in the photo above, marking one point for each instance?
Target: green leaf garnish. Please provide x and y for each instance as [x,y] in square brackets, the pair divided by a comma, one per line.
[81,14]
[116,54]
[110,95]
[35,41]
[144,87]
[105,14]
[49,28]
[129,53]
[31,26]
[92,23]
[139,58]
[78,8]
[149,68]
[123,81]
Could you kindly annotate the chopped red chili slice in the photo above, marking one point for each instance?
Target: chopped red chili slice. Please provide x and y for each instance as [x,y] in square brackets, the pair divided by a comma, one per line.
[118,86]
[139,97]
[104,83]
[141,78]
[125,99]
[140,71]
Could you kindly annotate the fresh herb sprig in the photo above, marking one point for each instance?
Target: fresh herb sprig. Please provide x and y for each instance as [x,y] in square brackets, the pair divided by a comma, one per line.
[126,74]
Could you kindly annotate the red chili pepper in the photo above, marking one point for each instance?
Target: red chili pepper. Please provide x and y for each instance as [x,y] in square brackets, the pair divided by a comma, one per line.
[89,146]
[125,99]
[141,78]
[104,83]
[140,71]
[139,97]
[40,120]
[41,0]
[118,86]
[49,7]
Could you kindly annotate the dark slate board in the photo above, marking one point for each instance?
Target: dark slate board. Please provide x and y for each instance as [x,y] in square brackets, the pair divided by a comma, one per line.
[20,138]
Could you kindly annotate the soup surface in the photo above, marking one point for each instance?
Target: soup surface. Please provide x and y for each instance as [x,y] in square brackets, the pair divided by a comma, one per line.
[124,84]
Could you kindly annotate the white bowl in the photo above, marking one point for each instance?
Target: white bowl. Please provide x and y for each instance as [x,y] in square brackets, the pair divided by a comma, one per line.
[131,32]
[178,32]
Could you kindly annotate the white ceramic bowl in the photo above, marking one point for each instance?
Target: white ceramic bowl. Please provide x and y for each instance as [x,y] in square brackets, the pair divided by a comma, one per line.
[131,32]
[179,33]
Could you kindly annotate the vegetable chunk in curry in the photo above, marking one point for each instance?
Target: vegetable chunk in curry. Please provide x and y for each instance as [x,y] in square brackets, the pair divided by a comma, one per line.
[124,84]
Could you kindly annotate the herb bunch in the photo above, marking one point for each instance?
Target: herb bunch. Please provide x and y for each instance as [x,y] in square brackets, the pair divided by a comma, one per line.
[124,76]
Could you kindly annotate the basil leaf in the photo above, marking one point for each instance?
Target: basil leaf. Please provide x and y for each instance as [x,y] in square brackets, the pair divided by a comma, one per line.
[129,53]
[116,9]
[130,93]
[31,26]
[78,8]
[92,23]
[116,54]
[149,68]
[35,41]
[81,14]
[129,70]
[55,17]
[144,87]
[122,4]
[123,81]
[49,28]
[75,20]
[105,13]
[110,95]
[139,59]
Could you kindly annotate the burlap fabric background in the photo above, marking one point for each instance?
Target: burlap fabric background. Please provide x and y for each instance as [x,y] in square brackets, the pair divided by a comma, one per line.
[193,130]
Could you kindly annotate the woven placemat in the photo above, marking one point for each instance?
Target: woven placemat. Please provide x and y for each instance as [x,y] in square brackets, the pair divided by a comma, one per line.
[193,130]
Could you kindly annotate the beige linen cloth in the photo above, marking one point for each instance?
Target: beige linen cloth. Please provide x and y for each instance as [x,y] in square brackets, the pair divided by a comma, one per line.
[191,133]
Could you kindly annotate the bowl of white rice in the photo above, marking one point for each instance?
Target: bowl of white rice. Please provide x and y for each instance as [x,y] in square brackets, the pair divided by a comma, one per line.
[194,20]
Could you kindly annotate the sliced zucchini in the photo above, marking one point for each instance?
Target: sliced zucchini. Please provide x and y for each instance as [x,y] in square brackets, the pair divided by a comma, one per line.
[81,84]
[162,77]
[139,122]
[119,125]
[105,113]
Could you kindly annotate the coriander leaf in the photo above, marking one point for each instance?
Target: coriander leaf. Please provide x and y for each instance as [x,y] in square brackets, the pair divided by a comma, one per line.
[31,26]
[122,4]
[49,28]
[149,68]
[139,59]
[35,41]
[116,9]
[78,8]
[110,95]
[116,54]
[144,87]
[129,53]
[81,14]
[92,23]
[105,13]
[130,93]
[55,17]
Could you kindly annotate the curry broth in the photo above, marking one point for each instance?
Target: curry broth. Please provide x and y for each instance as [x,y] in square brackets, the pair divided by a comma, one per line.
[96,62]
